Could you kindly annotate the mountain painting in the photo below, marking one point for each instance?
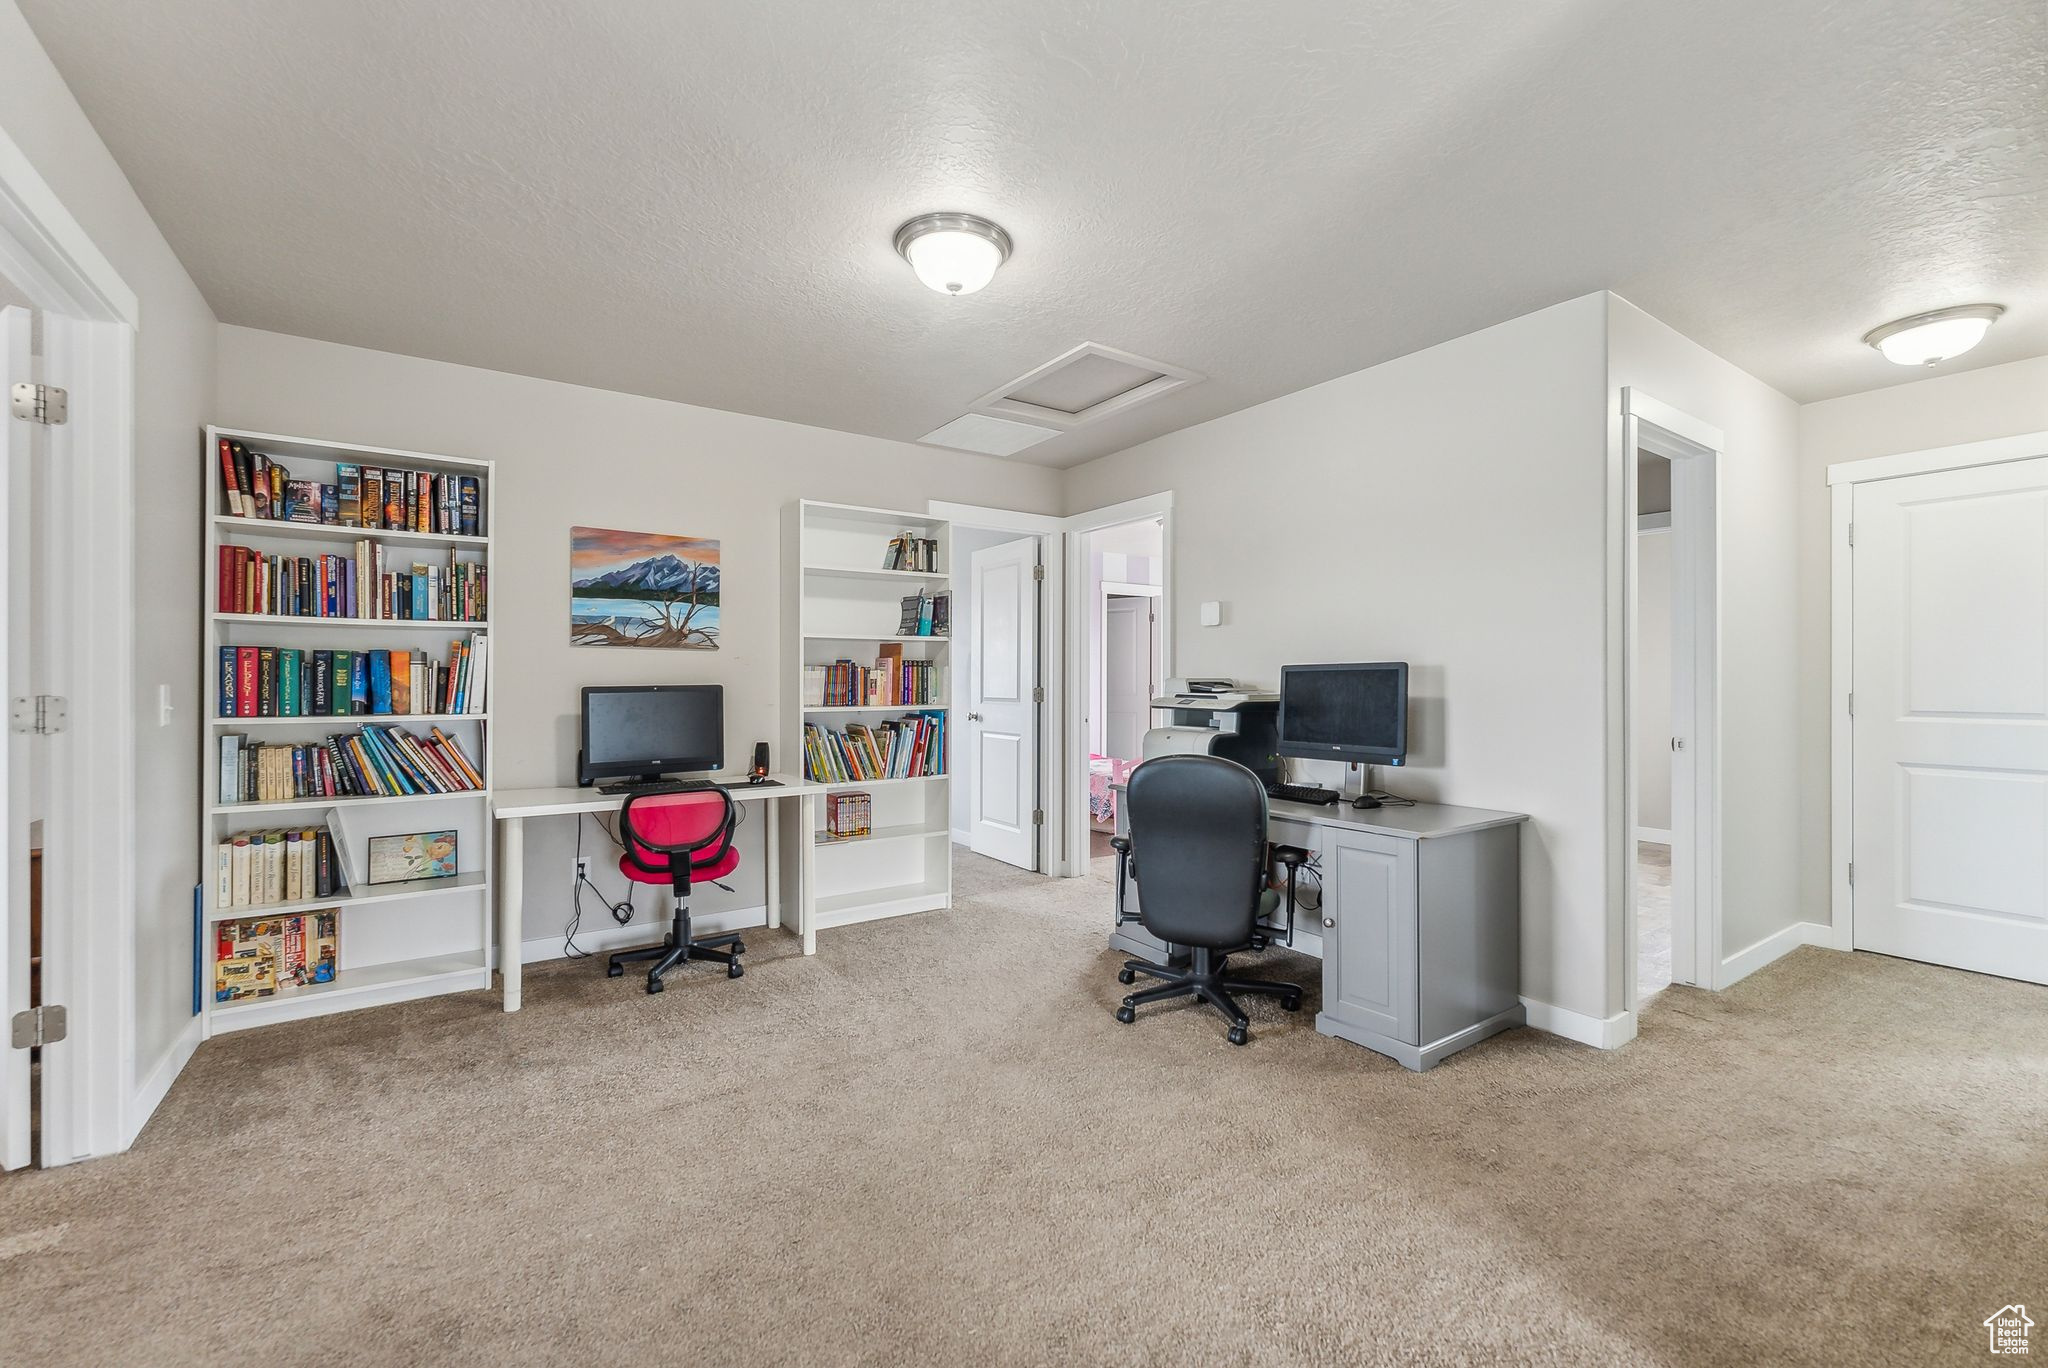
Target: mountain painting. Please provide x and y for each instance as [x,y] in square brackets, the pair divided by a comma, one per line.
[642,589]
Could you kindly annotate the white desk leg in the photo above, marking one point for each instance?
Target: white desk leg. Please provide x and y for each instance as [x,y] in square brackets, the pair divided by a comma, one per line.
[511,903]
[807,896]
[774,811]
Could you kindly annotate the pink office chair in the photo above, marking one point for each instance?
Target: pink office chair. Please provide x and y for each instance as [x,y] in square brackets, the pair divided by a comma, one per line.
[674,838]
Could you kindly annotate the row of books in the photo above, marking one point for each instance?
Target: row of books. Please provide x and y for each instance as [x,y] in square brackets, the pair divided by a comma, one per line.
[926,615]
[258,957]
[373,762]
[849,816]
[912,552]
[908,748]
[259,868]
[891,682]
[358,586]
[285,681]
[377,497]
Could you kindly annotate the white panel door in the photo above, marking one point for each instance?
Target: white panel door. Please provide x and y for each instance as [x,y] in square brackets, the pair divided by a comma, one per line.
[1128,670]
[1950,718]
[1002,712]
[14,449]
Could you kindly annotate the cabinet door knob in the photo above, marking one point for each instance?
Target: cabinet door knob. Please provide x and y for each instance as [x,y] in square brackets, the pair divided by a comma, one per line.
[1329,921]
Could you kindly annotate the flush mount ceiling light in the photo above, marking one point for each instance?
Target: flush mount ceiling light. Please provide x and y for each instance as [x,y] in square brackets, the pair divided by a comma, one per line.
[1927,338]
[953,253]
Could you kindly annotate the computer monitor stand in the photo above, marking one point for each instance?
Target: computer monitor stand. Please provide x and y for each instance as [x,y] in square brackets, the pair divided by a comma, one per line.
[1365,798]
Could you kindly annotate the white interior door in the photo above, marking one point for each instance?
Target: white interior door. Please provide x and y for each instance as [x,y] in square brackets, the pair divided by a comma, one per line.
[1002,710]
[14,448]
[1128,667]
[1950,718]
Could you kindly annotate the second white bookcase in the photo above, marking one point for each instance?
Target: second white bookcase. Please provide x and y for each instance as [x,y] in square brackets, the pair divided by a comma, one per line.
[841,602]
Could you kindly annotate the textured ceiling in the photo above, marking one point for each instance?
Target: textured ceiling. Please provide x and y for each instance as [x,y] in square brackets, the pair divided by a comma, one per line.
[695,201]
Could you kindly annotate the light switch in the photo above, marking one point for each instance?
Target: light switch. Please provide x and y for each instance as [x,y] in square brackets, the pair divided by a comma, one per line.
[1212,614]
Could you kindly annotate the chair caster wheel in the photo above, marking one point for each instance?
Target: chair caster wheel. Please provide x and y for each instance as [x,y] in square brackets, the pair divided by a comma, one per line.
[735,970]
[738,948]
[1239,1035]
[1126,1015]
[655,985]
[615,971]
[1290,1004]
[1126,976]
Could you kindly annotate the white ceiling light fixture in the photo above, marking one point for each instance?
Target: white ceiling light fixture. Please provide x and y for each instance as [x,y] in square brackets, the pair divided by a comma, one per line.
[1928,338]
[955,254]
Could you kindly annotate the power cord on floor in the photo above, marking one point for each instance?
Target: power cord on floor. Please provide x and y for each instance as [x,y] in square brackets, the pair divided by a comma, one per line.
[622,910]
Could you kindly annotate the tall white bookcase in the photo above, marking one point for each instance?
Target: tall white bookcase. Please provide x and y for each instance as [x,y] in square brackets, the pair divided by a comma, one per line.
[840,603]
[394,941]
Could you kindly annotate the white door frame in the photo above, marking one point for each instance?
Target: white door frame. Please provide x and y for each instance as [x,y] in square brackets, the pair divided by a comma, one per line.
[1693,448]
[1843,477]
[1052,857]
[93,1102]
[1074,735]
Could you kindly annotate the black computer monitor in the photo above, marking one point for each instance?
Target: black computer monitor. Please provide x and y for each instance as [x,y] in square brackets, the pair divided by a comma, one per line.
[1356,713]
[644,731]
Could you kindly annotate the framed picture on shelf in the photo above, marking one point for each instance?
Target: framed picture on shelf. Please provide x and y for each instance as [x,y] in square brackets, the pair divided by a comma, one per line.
[407,859]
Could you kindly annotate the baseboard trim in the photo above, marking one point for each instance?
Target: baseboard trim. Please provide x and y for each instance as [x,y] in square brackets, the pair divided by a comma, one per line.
[644,929]
[965,838]
[1653,835]
[1602,1033]
[1777,945]
[157,1086]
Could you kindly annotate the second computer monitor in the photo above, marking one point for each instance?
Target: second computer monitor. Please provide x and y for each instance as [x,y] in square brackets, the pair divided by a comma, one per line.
[1355,713]
[648,730]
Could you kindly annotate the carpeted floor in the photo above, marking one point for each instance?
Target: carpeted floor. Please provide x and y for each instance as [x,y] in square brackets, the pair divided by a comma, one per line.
[932,1145]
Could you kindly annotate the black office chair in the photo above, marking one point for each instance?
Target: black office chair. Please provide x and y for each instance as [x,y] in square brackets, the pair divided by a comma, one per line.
[1199,824]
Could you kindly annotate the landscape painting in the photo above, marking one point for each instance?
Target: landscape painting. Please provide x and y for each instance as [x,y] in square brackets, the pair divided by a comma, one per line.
[642,589]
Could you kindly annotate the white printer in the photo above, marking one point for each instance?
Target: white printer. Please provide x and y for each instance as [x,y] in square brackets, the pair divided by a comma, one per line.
[1218,717]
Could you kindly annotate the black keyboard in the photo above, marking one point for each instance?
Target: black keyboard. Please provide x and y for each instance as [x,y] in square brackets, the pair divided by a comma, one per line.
[641,787]
[1301,793]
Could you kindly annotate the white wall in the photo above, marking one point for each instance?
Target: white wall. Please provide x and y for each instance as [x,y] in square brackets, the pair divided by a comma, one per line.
[966,541]
[1653,680]
[174,375]
[1758,493]
[1944,410]
[566,456]
[1448,509]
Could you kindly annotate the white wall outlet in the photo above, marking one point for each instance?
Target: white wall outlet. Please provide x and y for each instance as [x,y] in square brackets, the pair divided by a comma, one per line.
[1212,614]
[582,867]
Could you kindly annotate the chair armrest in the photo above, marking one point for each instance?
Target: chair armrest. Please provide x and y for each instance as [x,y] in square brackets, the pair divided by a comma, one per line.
[1120,844]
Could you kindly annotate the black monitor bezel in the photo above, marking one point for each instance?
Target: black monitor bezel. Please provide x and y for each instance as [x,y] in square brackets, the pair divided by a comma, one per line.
[1363,755]
[648,766]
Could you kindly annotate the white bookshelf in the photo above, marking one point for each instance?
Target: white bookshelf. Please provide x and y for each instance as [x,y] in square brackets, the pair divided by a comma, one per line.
[841,604]
[395,942]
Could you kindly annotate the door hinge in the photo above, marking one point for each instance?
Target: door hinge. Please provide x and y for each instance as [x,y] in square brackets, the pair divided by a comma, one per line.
[1852,702]
[1038,816]
[1038,694]
[39,1026]
[43,715]
[1852,534]
[1038,572]
[40,403]
[1852,873]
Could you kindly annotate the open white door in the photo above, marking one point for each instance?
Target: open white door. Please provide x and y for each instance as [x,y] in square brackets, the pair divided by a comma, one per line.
[1129,673]
[1949,718]
[14,447]
[1002,707]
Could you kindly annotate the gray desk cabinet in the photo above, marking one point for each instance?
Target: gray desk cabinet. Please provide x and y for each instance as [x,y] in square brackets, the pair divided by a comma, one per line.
[1422,934]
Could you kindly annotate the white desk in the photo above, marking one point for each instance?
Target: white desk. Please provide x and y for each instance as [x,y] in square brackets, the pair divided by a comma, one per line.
[793,801]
